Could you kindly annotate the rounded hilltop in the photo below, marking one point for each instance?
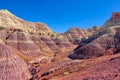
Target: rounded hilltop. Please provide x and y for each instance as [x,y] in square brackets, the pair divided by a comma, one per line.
[5,11]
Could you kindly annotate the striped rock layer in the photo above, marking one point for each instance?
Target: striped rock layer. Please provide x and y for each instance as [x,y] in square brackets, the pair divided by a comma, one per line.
[12,67]
[33,39]
[105,42]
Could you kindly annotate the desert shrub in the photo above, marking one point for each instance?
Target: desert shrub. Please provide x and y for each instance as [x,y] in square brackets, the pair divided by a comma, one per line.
[66,73]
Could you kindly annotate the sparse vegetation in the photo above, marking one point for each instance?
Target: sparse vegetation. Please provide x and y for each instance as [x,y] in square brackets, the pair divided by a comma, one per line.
[66,73]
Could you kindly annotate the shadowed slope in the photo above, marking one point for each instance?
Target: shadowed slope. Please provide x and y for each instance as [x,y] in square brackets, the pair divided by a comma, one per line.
[104,42]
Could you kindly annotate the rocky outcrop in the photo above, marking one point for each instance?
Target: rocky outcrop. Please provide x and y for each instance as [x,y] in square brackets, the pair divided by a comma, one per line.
[12,66]
[115,15]
[103,42]
[113,21]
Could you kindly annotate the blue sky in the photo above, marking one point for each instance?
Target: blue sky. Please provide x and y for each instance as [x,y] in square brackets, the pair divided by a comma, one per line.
[60,15]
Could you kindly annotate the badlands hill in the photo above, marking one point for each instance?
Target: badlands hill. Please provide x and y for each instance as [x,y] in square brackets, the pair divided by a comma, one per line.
[104,42]
[32,51]
[96,58]
[33,38]
[33,41]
